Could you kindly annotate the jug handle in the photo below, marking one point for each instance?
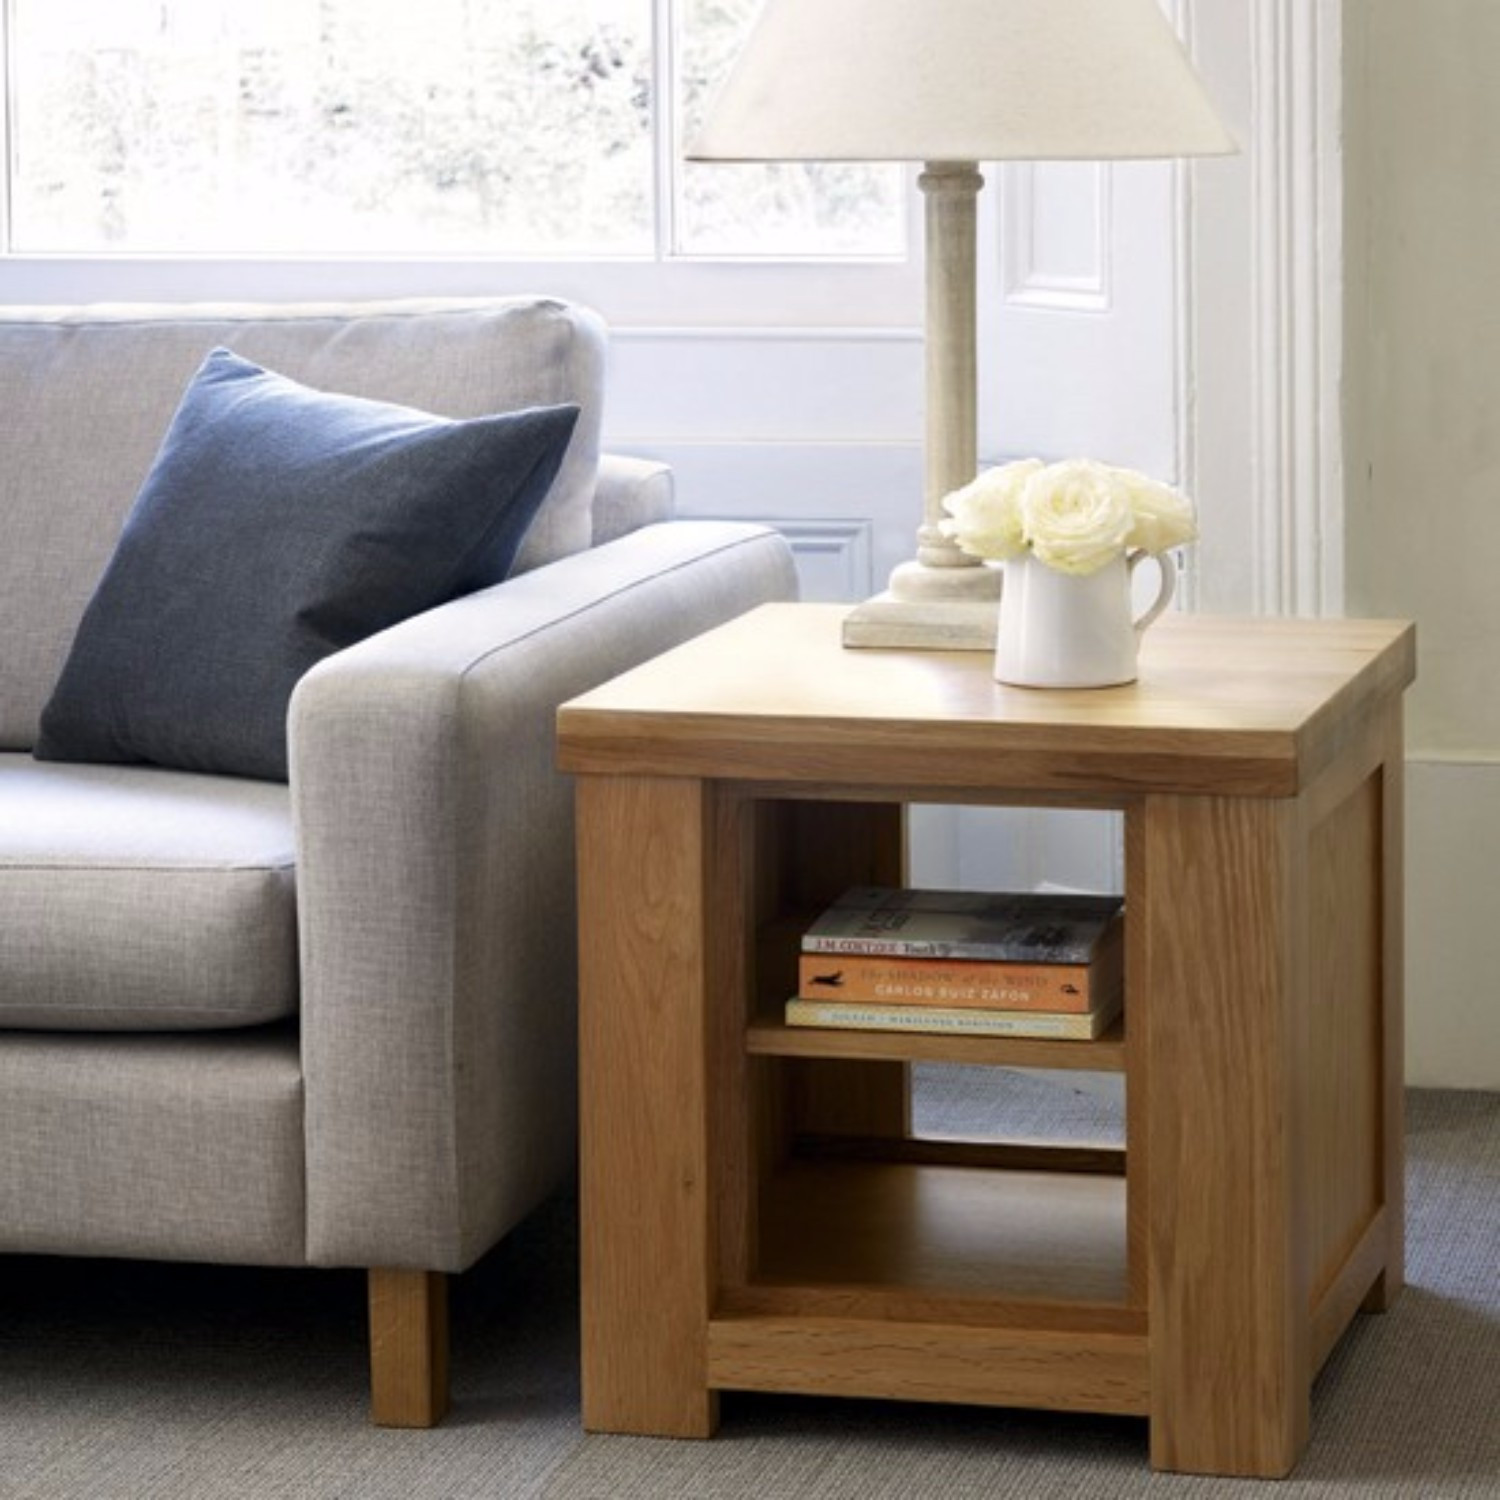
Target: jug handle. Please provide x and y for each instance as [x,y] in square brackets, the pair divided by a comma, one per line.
[1167,566]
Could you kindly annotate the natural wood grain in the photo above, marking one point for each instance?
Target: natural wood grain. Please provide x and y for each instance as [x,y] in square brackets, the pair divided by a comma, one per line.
[1137,1059]
[1258,764]
[1227,1260]
[828,1095]
[987,1310]
[408,1347]
[825,847]
[1066,1371]
[1345,1290]
[745,1126]
[1249,707]
[820,850]
[647,1249]
[1342,1020]
[1075,797]
[1057,1236]
[992,1156]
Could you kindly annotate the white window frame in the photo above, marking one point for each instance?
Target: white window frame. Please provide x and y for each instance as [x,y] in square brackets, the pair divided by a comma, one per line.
[665,290]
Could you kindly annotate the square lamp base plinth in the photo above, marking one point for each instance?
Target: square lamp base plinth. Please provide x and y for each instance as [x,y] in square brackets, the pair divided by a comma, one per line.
[925,625]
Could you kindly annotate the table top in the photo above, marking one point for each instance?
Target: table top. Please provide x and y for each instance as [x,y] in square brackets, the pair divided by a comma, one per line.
[1237,706]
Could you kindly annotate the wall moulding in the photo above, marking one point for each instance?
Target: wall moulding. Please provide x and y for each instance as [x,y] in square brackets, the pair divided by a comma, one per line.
[1261,308]
[1055,220]
[1298,208]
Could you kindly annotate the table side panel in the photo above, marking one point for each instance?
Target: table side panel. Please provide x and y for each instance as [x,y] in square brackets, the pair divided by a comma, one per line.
[1342,1084]
[1349,1288]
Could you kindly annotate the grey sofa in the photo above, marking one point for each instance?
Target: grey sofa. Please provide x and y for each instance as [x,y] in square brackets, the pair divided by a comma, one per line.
[408,897]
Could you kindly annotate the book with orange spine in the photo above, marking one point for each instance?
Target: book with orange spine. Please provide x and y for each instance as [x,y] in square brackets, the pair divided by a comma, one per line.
[973,983]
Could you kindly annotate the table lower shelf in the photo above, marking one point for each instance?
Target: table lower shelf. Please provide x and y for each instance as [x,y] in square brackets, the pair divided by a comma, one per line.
[935,1280]
[919,1228]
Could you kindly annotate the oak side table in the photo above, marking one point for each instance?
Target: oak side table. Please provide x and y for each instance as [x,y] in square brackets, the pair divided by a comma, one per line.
[757,1213]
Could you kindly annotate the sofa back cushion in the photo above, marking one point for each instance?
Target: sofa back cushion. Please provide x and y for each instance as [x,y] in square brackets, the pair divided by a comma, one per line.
[87,395]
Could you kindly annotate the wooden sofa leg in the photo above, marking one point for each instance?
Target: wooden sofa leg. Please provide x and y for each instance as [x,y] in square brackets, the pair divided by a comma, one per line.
[408,1348]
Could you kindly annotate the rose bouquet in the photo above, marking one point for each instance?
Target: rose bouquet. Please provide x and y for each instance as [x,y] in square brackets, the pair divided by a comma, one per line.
[1074,516]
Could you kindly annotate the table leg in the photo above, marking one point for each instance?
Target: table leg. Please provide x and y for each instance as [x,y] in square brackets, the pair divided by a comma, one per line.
[1220,920]
[647,1247]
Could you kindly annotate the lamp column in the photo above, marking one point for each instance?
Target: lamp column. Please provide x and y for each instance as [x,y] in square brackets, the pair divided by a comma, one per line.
[942,598]
[941,571]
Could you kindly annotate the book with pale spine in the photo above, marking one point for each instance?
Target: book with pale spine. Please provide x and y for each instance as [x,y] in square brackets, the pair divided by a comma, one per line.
[951,1021]
[1009,927]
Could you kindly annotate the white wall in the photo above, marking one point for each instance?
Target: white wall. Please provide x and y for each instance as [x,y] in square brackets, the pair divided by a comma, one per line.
[1423,499]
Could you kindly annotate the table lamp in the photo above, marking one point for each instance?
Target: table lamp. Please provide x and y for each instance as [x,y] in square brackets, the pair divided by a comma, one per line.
[951,83]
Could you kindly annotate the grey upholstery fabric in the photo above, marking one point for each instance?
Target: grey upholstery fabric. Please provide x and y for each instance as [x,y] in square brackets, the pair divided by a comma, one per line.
[87,395]
[439,961]
[425,1099]
[631,493]
[172,1147]
[137,898]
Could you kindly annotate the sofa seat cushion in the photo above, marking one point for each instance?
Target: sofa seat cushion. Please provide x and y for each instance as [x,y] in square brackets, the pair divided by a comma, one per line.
[138,899]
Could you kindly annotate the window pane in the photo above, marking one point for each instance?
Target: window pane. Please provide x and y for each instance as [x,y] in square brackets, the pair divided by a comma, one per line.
[785,208]
[245,126]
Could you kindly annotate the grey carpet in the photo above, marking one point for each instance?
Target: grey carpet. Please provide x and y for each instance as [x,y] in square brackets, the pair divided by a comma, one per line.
[193,1383]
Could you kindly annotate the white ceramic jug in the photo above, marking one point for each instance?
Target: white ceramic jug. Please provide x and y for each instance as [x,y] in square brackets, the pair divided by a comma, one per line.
[1062,630]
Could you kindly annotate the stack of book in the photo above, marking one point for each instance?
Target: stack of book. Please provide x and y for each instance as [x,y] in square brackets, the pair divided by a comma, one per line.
[963,962]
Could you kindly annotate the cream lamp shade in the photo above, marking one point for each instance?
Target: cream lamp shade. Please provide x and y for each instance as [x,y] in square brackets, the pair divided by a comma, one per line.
[961,80]
[952,83]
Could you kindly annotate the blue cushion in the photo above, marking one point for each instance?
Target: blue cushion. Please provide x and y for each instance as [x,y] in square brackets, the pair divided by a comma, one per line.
[277,525]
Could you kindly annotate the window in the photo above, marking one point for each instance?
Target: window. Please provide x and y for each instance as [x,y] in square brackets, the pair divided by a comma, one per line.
[533,129]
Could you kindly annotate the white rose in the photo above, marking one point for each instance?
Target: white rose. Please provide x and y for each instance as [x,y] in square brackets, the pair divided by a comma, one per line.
[987,511]
[1162,516]
[1076,515]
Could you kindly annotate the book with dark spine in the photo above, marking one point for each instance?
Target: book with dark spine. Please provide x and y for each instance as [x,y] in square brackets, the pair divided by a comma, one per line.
[1004,927]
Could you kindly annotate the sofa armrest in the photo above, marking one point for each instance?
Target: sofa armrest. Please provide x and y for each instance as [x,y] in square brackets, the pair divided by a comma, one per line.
[630,493]
[436,886]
